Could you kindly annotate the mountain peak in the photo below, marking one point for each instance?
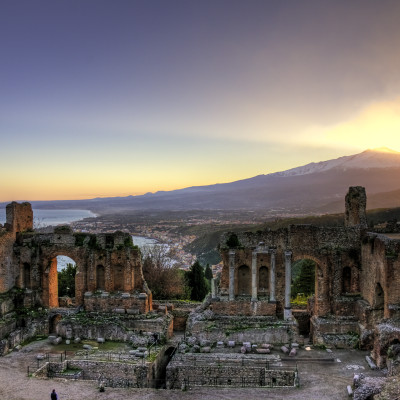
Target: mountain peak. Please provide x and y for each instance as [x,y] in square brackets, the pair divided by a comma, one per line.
[381,157]
[382,150]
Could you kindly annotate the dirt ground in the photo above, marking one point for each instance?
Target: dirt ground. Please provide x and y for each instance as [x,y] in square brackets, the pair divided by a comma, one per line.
[318,381]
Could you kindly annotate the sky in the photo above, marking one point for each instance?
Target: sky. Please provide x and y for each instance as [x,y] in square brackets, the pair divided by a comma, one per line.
[115,98]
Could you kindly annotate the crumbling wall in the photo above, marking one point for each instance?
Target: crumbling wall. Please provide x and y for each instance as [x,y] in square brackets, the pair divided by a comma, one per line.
[355,207]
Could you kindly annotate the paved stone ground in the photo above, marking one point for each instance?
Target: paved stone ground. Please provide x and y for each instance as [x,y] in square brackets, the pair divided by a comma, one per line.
[319,381]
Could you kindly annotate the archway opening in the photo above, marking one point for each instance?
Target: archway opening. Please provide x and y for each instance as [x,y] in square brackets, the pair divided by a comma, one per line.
[303,278]
[61,281]
[244,280]
[53,322]
[302,292]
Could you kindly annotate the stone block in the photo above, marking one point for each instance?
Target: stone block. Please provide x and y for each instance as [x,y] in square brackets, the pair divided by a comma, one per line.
[142,296]
[206,349]
[133,311]
[87,347]
[57,340]
[68,341]
[125,295]
[40,356]
[371,364]
[220,344]
[205,343]
[293,353]
[247,344]
[285,350]
[52,338]
[77,340]
[88,294]
[100,340]
[105,294]
[119,310]
[142,349]
[263,351]
[231,343]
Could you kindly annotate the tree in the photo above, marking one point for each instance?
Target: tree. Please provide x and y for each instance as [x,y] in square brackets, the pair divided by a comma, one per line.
[208,273]
[162,274]
[197,282]
[305,280]
[66,281]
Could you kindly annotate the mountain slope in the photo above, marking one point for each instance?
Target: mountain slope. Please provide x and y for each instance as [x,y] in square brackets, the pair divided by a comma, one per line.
[313,187]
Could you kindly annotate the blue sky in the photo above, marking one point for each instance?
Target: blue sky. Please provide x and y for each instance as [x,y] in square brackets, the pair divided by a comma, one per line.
[110,98]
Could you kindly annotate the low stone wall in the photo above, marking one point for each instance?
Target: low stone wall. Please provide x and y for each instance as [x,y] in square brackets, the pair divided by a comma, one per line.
[235,308]
[124,305]
[188,374]
[14,336]
[114,326]
[338,332]
[136,375]
[241,329]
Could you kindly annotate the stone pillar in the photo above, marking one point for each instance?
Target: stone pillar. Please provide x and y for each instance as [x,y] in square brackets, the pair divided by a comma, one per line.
[213,291]
[231,274]
[272,277]
[288,281]
[254,295]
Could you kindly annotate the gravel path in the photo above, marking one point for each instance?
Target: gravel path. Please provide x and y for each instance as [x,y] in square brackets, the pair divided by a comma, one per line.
[319,381]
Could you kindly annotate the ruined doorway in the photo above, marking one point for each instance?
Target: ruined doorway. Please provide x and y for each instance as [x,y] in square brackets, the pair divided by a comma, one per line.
[304,286]
[53,322]
[244,280]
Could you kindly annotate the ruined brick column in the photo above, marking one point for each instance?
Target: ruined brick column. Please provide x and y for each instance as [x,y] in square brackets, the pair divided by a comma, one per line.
[213,289]
[356,205]
[288,281]
[272,277]
[254,294]
[231,275]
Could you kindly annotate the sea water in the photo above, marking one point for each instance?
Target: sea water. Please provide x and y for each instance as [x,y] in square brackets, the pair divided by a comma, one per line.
[42,218]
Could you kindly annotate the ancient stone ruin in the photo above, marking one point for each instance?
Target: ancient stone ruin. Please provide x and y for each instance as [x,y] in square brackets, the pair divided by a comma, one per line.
[233,337]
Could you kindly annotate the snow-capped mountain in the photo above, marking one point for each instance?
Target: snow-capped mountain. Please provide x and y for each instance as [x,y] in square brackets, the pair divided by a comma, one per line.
[373,158]
[313,187]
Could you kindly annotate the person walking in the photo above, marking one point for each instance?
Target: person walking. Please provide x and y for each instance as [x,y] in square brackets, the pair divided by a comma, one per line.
[53,395]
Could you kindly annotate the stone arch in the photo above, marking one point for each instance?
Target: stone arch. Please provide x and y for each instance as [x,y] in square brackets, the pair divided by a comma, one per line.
[100,277]
[244,280]
[118,275]
[27,276]
[321,292]
[346,280]
[53,322]
[263,279]
[50,278]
